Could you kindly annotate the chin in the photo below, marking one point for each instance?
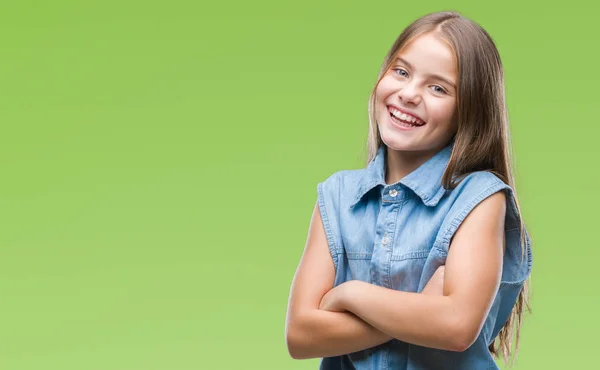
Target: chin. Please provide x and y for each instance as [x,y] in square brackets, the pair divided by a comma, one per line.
[399,145]
[398,142]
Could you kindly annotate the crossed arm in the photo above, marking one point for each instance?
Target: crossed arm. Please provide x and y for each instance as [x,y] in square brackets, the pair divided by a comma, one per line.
[323,321]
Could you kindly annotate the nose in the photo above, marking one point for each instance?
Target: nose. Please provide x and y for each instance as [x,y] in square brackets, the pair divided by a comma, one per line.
[409,93]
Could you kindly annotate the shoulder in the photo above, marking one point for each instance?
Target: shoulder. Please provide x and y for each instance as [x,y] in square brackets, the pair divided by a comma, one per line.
[333,195]
[478,183]
[481,189]
[344,177]
[342,185]
[473,188]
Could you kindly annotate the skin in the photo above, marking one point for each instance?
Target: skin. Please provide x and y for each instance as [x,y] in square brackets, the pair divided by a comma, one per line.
[324,321]
[412,85]
[313,331]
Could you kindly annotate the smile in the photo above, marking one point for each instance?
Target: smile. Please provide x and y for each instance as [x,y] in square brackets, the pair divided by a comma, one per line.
[404,121]
[402,117]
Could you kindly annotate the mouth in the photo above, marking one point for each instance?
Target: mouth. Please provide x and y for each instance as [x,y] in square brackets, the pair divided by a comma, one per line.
[404,119]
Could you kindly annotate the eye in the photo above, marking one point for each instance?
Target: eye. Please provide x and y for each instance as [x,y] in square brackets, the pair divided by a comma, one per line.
[439,89]
[400,70]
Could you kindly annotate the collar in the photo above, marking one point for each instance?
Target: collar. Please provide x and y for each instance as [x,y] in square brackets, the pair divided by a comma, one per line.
[425,181]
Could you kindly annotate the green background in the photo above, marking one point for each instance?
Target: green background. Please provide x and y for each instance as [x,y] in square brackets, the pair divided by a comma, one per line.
[160,161]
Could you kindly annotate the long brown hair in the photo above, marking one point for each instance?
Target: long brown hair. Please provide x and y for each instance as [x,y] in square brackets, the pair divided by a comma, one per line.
[482,141]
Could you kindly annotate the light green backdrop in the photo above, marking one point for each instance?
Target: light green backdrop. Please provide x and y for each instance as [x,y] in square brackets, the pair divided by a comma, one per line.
[160,160]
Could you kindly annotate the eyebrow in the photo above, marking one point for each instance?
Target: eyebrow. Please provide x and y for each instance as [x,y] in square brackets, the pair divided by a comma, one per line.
[398,59]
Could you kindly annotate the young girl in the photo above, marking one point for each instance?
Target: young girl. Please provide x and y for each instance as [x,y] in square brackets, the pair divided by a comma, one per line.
[420,260]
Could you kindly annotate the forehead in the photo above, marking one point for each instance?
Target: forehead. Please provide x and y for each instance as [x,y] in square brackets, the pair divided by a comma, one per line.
[429,54]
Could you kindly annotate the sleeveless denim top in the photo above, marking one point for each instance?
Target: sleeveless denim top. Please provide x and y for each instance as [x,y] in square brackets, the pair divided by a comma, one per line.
[397,235]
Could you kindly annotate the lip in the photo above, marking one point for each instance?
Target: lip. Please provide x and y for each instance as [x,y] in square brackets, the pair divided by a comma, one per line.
[406,112]
[398,127]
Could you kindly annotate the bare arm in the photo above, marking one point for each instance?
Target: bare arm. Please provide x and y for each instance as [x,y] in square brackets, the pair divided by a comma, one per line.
[471,279]
[310,331]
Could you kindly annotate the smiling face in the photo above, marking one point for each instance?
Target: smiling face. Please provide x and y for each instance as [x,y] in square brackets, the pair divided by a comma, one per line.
[420,88]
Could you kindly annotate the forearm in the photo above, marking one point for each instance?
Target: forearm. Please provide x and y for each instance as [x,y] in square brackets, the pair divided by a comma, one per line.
[425,320]
[320,333]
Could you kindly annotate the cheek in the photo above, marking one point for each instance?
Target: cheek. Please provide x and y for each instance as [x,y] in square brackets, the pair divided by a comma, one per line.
[385,87]
[444,112]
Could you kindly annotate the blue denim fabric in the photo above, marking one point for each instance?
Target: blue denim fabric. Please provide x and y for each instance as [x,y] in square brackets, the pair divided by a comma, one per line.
[397,235]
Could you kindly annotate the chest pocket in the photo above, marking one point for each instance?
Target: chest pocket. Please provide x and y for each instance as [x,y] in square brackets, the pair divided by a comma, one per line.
[358,235]
[356,259]
[406,270]
[412,247]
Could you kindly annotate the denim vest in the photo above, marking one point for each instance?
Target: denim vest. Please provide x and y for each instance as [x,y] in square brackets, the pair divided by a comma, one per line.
[397,235]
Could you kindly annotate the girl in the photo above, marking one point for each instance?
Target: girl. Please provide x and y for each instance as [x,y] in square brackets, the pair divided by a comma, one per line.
[419,260]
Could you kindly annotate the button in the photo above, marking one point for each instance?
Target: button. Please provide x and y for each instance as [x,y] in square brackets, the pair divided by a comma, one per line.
[385,239]
[393,193]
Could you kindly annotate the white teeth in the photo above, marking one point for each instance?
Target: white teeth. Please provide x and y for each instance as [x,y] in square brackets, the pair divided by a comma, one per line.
[408,118]
[405,117]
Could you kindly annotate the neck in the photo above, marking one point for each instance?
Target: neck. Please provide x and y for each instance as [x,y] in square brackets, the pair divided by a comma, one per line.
[400,163]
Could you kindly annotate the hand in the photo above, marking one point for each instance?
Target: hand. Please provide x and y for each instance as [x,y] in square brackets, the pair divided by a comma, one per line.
[435,285]
[333,299]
